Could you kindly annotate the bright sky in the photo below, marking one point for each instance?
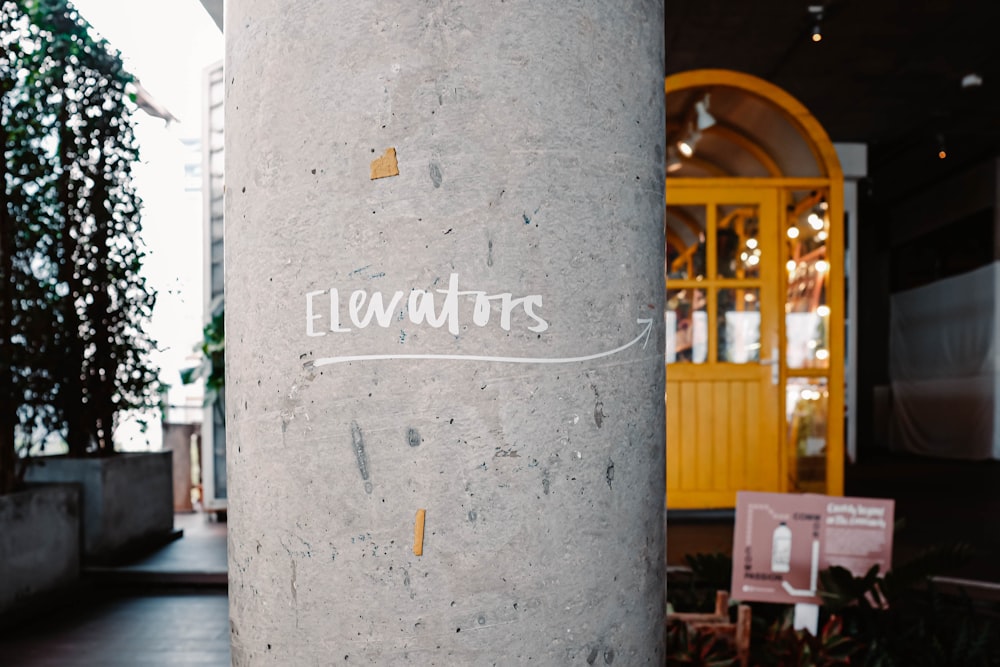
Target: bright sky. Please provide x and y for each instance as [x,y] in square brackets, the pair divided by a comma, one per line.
[166,44]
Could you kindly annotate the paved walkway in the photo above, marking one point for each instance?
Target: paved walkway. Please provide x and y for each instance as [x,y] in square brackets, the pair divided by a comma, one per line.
[169,609]
[197,558]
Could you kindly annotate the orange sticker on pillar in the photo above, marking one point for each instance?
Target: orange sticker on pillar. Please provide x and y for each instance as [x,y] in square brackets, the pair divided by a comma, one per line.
[384,166]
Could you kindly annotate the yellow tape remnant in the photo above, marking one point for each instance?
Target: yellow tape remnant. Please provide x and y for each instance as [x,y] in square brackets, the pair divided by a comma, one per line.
[418,534]
[386,165]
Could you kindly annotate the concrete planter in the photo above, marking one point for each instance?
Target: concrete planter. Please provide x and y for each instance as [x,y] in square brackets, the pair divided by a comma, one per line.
[127,499]
[39,542]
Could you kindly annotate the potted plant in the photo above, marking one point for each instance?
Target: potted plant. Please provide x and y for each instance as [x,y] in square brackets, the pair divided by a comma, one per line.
[73,303]
[32,561]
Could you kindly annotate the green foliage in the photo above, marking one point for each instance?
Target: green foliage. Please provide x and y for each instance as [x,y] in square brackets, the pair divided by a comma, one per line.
[906,621]
[73,303]
[694,591]
[896,619]
[700,648]
[783,646]
[213,356]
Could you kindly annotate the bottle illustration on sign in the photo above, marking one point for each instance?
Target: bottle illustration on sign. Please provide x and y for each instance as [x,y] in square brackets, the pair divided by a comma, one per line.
[781,548]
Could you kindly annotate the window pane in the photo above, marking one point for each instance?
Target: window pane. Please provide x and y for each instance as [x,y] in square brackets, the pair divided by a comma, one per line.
[807,315]
[687,326]
[739,325]
[806,407]
[737,241]
[685,238]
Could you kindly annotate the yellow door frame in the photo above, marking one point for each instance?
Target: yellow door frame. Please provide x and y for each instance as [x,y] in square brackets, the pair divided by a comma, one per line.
[832,181]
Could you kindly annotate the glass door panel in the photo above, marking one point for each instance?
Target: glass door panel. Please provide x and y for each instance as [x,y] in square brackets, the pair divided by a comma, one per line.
[723,309]
[687,326]
[807,315]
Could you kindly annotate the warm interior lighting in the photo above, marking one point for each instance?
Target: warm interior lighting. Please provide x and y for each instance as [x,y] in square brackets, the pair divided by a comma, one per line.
[822,354]
[821,236]
[790,265]
[822,266]
[673,162]
[823,311]
[942,154]
[816,11]
[793,232]
[815,221]
[686,147]
[751,243]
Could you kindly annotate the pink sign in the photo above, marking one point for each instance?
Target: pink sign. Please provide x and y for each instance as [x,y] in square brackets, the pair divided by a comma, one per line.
[781,542]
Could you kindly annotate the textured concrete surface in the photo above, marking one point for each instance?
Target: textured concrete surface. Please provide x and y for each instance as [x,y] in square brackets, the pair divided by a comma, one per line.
[39,542]
[127,498]
[479,336]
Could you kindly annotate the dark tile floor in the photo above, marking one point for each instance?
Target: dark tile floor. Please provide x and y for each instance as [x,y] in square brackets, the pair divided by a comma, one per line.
[168,609]
[125,628]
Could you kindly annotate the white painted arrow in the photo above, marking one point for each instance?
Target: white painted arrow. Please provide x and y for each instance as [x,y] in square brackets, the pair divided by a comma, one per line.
[643,336]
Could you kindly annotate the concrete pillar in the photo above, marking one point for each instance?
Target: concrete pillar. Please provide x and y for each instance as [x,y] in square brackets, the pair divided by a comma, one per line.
[444,260]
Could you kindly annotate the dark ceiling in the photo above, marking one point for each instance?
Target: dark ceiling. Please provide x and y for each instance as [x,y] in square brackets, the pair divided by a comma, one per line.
[887,72]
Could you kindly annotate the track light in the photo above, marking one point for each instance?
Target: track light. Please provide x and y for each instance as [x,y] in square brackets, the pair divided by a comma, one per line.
[673,162]
[703,119]
[816,11]
[698,120]
[687,144]
[972,80]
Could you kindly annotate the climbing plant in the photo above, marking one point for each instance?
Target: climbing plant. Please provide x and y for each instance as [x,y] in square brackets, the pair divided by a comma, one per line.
[73,301]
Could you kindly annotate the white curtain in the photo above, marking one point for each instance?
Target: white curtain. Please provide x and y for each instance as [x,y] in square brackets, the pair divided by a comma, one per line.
[943,367]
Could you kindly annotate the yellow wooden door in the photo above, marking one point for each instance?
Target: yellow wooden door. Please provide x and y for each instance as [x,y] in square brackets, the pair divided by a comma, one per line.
[722,323]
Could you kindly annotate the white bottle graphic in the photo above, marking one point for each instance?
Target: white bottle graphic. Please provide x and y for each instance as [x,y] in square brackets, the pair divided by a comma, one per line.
[781,548]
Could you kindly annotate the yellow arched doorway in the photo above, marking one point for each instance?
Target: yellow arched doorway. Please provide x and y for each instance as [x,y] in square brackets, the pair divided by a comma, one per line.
[755,300]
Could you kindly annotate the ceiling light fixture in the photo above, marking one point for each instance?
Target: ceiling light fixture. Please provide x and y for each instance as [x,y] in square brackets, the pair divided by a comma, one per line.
[673,162]
[687,144]
[703,119]
[816,11]
[699,120]
[972,80]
